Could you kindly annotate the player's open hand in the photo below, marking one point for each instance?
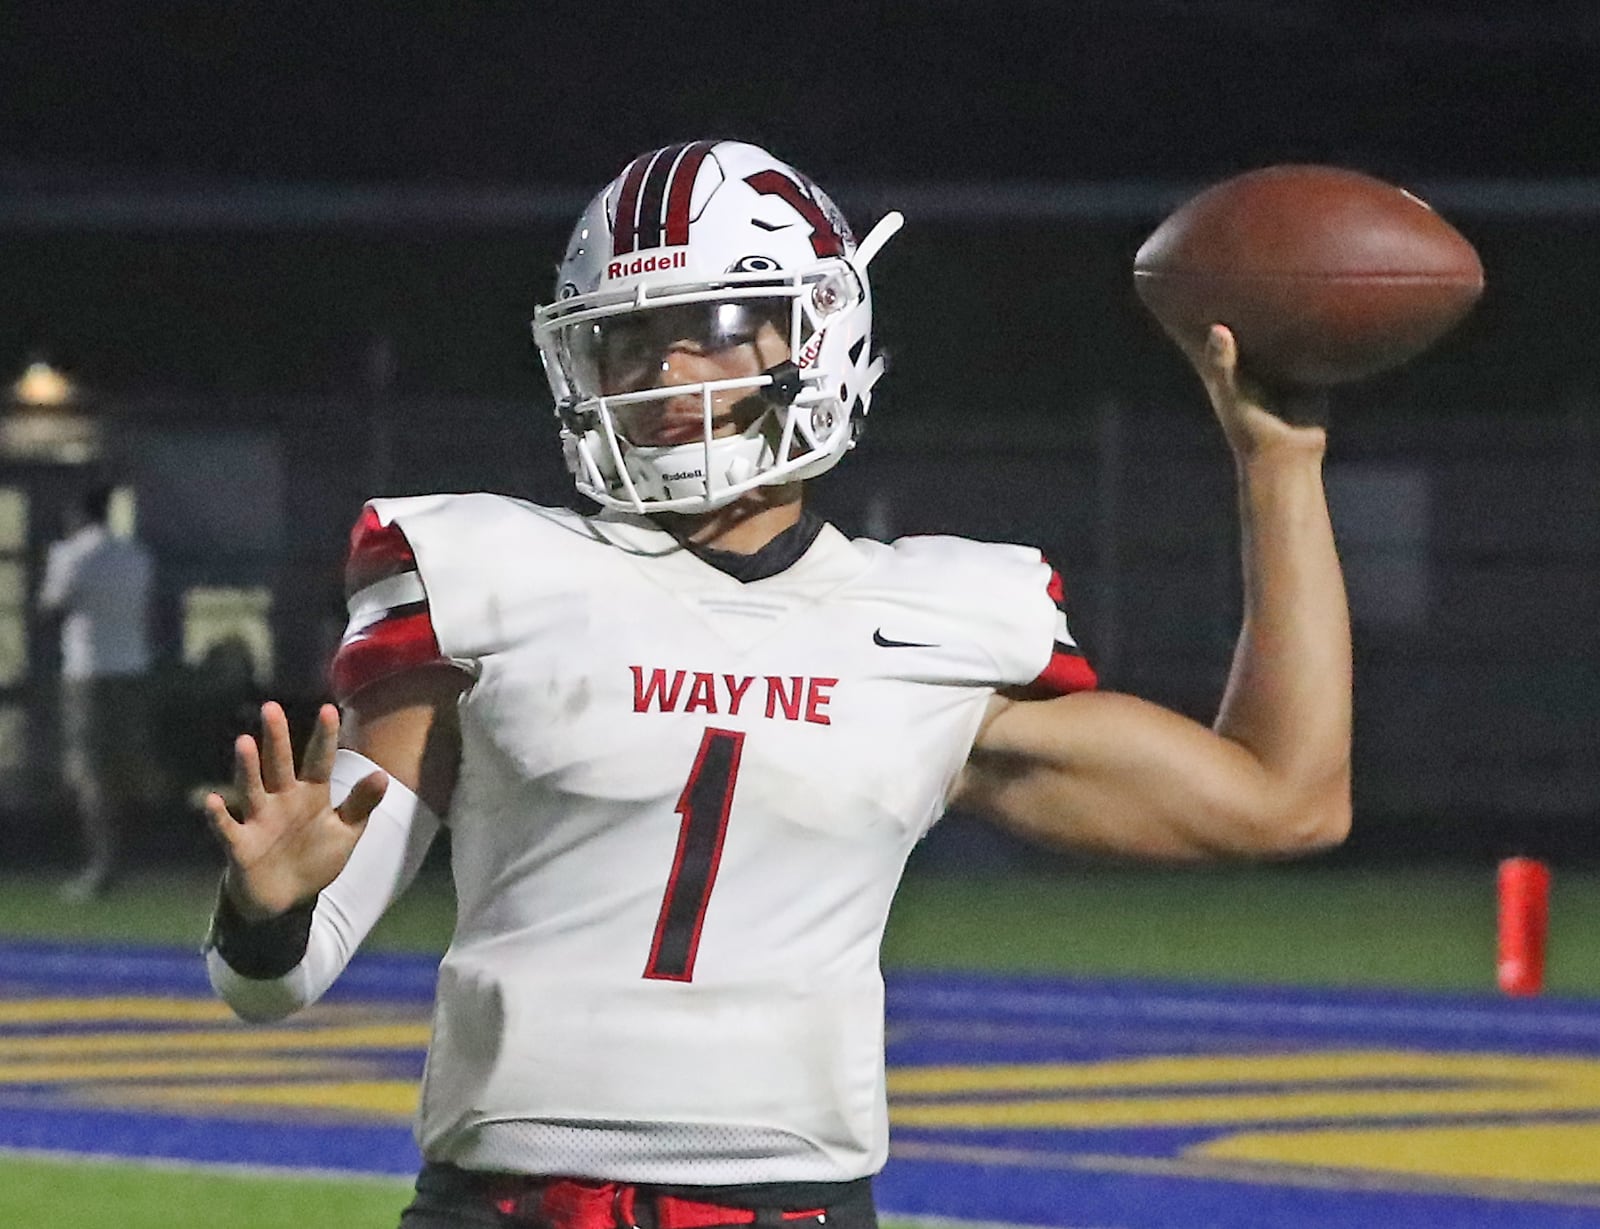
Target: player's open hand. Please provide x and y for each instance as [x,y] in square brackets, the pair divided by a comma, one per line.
[1251,418]
[292,841]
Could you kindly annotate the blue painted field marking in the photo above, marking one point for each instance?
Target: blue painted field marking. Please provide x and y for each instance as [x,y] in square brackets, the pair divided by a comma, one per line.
[1471,1018]
[1018,1099]
[1160,1175]
[104,968]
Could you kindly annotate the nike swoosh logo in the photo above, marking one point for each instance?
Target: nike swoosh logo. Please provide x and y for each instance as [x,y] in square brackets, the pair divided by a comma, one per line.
[883,642]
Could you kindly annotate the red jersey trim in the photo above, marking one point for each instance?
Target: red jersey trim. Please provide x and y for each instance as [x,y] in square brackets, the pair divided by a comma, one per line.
[390,646]
[404,637]
[1068,670]
[1065,674]
[377,551]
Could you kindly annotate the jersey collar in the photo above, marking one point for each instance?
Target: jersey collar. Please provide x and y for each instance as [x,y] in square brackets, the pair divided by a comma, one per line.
[776,556]
[641,535]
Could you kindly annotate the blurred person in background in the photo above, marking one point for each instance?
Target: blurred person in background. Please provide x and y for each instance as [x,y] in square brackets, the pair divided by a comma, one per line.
[685,746]
[98,584]
[222,697]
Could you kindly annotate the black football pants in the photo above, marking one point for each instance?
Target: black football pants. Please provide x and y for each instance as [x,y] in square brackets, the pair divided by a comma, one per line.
[452,1198]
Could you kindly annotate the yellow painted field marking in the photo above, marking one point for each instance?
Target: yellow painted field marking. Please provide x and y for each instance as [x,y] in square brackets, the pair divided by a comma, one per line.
[1553,1152]
[156,1008]
[259,1040]
[97,1010]
[1327,1101]
[1585,1193]
[162,1068]
[175,1055]
[1329,1085]
[389,1099]
[1320,1065]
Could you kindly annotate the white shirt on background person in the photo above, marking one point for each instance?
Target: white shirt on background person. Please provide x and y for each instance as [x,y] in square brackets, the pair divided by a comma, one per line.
[101,584]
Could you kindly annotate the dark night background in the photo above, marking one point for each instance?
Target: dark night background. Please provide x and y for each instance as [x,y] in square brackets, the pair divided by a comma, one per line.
[502,93]
[225,106]
[318,231]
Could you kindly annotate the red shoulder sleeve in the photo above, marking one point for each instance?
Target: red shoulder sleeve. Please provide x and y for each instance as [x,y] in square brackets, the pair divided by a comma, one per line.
[390,628]
[1068,670]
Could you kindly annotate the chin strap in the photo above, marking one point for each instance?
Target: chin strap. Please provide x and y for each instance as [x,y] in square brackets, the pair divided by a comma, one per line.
[785,387]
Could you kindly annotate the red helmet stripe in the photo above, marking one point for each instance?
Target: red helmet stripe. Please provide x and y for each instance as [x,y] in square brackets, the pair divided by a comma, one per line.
[655,190]
[626,228]
[682,193]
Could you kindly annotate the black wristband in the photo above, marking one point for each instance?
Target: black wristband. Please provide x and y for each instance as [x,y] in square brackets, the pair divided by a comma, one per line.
[261,951]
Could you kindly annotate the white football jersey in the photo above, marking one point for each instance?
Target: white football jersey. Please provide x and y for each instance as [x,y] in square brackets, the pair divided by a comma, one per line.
[683,807]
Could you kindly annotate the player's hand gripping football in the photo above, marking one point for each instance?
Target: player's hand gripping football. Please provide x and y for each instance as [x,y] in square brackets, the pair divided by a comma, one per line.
[292,841]
[1253,419]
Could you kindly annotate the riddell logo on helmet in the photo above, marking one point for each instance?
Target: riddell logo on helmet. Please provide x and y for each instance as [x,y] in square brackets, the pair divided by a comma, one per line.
[810,352]
[648,264]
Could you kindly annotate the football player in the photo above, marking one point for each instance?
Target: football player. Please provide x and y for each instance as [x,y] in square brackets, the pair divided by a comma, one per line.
[685,745]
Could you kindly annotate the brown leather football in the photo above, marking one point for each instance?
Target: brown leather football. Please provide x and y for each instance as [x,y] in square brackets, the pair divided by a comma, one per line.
[1325,275]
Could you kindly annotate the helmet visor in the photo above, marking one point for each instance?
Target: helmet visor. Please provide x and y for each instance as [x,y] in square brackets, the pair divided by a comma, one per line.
[627,352]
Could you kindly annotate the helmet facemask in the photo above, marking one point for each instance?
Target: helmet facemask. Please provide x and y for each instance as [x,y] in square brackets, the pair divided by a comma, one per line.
[783,421]
[793,336]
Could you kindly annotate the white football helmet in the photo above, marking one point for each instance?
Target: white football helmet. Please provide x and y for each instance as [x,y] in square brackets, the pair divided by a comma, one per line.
[705,244]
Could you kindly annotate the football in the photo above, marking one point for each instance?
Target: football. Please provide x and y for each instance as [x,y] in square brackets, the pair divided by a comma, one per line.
[1325,275]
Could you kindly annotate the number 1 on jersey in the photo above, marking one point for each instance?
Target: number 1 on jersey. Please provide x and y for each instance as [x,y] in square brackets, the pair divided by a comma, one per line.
[704,804]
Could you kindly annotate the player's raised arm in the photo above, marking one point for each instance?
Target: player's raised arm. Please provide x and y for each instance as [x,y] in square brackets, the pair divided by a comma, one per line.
[318,856]
[1272,774]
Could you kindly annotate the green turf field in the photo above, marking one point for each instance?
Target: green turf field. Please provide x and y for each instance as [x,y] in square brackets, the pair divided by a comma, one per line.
[1424,927]
[61,1194]
[55,1194]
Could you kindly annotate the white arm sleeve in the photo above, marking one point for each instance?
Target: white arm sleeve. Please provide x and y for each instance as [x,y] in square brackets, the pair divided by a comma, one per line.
[382,866]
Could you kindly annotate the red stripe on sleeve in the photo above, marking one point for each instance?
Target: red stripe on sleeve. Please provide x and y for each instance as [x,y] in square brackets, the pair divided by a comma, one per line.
[376,551]
[1065,674]
[1068,670]
[387,648]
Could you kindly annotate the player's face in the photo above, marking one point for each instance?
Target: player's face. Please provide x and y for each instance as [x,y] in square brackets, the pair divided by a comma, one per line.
[689,345]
